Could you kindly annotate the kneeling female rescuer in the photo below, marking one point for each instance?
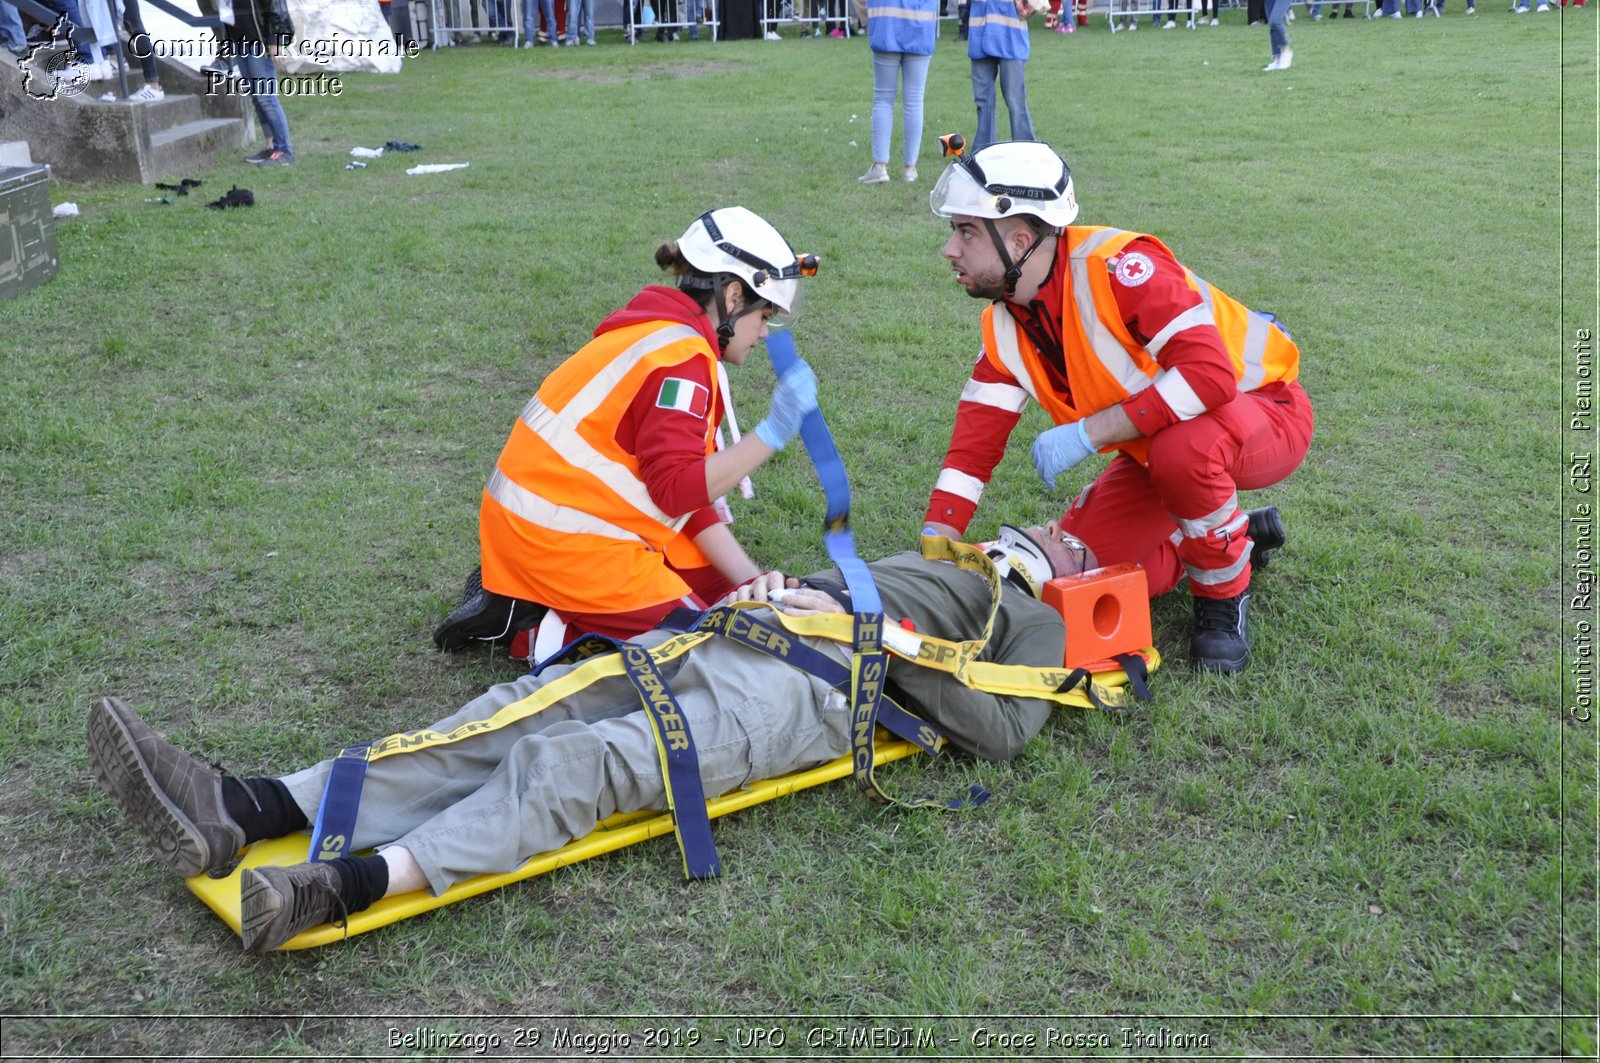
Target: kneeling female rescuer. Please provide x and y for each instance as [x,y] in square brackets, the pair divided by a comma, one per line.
[600,506]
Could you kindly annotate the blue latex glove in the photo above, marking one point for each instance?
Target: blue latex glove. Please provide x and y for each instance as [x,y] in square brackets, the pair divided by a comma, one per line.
[1059,449]
[793,398]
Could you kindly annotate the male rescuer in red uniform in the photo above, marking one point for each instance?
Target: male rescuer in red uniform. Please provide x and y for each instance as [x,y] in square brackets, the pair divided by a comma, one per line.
[1126,350]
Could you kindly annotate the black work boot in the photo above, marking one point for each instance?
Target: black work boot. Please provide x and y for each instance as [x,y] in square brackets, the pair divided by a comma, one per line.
[1267,532]
[1221,640]
[174,799]
[484,616]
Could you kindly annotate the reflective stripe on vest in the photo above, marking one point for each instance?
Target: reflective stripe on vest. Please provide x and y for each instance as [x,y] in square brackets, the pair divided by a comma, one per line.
[547,514]
[995,32]
[566,517]
[562,430]
[906,26]
[1104,362]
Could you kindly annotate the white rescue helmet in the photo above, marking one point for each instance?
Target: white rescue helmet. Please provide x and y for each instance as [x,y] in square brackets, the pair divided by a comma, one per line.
[737,241]
[1020,560]
[1007,179]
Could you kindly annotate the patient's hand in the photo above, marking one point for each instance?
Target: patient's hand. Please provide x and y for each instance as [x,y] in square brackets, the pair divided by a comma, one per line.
[785,594]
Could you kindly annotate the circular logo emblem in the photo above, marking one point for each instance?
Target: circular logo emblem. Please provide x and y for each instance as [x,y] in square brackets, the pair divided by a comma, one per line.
[67,72]
[1134,269]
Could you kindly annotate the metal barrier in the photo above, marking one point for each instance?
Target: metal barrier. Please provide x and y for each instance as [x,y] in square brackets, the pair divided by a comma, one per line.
[775,13]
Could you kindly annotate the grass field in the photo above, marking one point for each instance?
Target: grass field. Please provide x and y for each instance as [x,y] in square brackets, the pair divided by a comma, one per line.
[240,455]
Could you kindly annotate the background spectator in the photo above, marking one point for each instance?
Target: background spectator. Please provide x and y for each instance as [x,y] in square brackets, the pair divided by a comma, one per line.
[901,35]
[997,44]
[260,31]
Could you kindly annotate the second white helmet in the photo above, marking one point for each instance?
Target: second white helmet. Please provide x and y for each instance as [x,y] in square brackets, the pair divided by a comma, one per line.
[1020,560]
[1007,179]
[739,241]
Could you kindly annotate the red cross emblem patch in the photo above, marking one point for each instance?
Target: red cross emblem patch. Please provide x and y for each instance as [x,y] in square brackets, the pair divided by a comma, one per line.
[1133,269]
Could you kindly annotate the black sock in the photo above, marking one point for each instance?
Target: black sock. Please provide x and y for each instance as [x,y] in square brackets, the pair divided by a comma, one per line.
[263,808]
[363,880]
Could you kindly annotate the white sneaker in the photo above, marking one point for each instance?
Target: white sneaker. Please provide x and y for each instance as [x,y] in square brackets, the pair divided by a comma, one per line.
[1285,57]
[1520,10]
[875,175]
[772,35]
[1190,24]
[148,93]
[1276,64]
[1214,22]
[1171,24]
[1542,7]
[909,174]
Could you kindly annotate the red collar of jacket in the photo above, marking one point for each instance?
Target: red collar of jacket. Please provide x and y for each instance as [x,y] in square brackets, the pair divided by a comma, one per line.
[660,303]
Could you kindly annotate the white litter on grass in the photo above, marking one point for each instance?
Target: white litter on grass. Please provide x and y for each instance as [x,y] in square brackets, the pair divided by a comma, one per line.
[64,210]
[438,167]
[367,153]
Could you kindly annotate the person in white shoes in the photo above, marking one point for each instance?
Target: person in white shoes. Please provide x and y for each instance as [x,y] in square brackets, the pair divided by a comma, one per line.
[140,48]
[901,36]
[1278,32]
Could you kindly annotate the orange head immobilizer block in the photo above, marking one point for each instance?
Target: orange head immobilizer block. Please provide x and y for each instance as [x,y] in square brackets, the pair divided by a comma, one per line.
[1107,611]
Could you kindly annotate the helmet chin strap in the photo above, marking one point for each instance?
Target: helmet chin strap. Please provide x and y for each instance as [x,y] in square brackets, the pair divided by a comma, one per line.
[725,320]
[1013,270]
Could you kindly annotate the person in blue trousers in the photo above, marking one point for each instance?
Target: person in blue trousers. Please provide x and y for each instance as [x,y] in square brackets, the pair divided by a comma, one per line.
[997,44]
[1278,31]
[901,36]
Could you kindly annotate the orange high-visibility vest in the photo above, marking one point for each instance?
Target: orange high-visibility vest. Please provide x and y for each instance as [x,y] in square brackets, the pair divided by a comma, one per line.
[566,519]
[1104,363]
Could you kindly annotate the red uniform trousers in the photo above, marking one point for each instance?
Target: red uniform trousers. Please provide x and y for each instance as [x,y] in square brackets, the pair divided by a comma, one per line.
[1179,516]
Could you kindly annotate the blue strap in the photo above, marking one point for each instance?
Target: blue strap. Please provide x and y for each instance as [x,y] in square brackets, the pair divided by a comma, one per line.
[840,543]
[686,798]
[341,797]
[870,662]
[680,765]
[869,665]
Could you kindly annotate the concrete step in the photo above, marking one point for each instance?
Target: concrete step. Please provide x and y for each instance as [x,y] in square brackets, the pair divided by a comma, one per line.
[174,109]
[184,148]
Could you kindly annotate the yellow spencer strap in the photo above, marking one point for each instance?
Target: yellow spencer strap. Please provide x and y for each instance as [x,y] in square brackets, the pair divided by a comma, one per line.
[596,668]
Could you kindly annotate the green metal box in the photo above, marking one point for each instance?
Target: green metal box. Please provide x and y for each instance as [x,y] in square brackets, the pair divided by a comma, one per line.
[27,230]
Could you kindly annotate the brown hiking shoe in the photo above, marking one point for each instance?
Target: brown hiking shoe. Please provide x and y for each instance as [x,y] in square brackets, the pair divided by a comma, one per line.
[175,800]
[277,903]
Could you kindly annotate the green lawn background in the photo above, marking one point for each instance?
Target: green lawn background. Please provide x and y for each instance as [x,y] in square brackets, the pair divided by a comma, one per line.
[240,454]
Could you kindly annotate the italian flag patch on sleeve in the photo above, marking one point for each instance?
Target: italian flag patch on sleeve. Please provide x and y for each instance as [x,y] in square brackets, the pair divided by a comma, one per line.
[684,395]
